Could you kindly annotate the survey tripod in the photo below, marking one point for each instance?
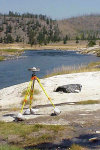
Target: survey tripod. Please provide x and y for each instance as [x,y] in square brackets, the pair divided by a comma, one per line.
[30,89]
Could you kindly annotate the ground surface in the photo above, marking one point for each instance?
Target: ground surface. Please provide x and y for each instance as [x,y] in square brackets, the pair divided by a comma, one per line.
[11,97]
[84,119]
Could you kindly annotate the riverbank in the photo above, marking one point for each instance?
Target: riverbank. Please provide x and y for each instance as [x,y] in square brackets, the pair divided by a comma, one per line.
[13,51]
[71,45]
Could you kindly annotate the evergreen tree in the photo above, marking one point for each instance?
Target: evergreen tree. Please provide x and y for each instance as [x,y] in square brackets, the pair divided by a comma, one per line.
[17,39]
[91,43]
[65,39]
[32,39]
[1,40]
[8,29]
[77,39]
[41,38]
[8,39]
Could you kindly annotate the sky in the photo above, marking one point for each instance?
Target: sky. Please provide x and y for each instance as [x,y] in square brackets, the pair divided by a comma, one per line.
[56,9]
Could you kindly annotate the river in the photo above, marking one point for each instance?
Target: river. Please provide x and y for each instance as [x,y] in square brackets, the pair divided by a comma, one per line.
[16,71]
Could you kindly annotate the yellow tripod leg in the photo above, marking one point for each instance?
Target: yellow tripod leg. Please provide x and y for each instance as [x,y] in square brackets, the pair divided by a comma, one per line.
[22,107]
[31,94]
[27,94]
[45,92]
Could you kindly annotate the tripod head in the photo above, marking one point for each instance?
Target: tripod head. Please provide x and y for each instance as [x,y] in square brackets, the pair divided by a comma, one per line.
[34,70]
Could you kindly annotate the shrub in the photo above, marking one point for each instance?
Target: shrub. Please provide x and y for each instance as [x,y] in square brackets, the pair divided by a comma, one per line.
[91,43]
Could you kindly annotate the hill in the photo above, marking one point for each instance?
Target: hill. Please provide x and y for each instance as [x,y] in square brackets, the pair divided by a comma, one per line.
[28,28]
[39,29]
[84,27]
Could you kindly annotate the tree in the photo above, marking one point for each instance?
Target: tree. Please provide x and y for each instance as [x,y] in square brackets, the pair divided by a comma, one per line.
[1,28]
[91,43]
[1,40]
[17,39]
[32,39]
[41,38]
[8,39]
[82,36]
[77,39]
[47,21]
[8,29]
[65,39]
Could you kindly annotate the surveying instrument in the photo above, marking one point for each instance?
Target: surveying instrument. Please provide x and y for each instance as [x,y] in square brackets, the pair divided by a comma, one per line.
[29,94]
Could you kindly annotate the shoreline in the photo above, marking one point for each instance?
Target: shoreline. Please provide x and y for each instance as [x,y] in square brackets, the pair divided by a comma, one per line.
[13,51]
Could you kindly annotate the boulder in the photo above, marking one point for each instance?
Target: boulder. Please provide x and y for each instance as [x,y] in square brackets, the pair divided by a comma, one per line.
[69,88]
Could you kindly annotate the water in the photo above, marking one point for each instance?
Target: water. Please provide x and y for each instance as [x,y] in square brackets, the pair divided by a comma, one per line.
[15,71]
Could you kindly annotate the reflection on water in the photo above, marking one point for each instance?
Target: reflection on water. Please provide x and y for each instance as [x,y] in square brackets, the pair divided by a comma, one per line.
[15,71]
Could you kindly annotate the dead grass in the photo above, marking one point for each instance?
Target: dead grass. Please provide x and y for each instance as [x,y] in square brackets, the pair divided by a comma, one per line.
[94,64]
[2,58]
[77,147]
[11,50]
[14,108]
[36,92]
[74,69]
[22,129]
[8,147]
[26,135]
[28,101]
[88,102]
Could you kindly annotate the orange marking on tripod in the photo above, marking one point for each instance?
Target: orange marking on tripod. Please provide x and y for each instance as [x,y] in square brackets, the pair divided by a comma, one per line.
[33,78]
[31,97]
[49,98]
[25,100]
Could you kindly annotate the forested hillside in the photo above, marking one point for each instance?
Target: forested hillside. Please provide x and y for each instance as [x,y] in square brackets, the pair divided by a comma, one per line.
[40,29]
[28,28]
[83,27]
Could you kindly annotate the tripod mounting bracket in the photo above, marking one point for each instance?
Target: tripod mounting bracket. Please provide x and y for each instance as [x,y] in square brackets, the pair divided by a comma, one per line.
[34,69]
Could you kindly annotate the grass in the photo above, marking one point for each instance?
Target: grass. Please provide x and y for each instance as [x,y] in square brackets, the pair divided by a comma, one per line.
[11,50]
[4,53]
[14,108]
[74,69]
[24,92]
[25,135]
[88,102]
[8,147]
[93,64]
[76,147]
[98,53]
[23,129]
[28,101]
[2,58]
[36,92]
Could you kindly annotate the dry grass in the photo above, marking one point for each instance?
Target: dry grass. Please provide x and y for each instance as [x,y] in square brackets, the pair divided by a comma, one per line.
[88,102]
[71,45]
[26,135]
[36,92]
[14,108]
[74,69]
[76,147]
[2,58]
[28,101]
[8,147]
[11,50]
